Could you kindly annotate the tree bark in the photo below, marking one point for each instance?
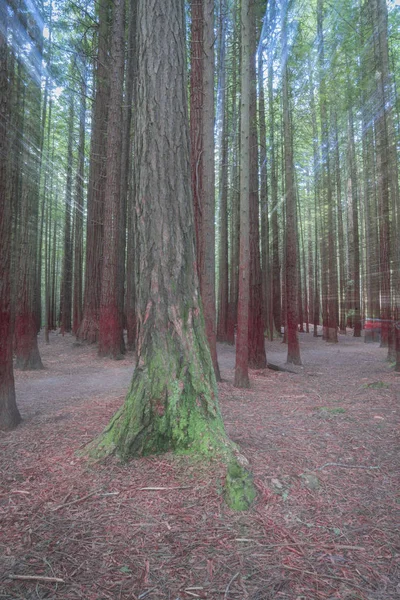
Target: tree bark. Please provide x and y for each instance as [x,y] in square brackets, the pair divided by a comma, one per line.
[202,160]
[89,327]
[291,270]
[9,414]
[172,402]
[25,332]
[242,336]
[111,342]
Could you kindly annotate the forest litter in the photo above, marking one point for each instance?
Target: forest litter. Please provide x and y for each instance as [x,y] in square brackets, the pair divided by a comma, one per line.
[323,450]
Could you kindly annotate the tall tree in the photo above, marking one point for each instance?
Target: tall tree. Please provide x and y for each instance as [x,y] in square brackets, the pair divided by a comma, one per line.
[257,358]
[26,346]
[202,159]
[291,271]
[172,402]
[9,414]
[242,337]
[89,327]
[111,342]
[66,281]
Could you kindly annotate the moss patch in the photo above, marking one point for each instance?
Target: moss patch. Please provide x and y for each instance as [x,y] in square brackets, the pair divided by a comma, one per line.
[239,488]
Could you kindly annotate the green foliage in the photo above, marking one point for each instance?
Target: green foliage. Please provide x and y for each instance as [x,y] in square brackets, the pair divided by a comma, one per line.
[239,488]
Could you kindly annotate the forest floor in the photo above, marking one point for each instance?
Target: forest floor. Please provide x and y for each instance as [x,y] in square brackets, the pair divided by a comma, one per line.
[323,448]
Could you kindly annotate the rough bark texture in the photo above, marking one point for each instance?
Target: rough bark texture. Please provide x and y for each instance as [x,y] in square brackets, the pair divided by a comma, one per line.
[25,332]
[172,402]
[276,266]
[9,414]
[291,271]
[257,357]
[223,279]
[111,342]
[89,328]
[242,337]
[202,159]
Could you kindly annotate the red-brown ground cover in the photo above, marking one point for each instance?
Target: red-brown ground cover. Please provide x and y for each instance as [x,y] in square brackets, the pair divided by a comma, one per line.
[322,447]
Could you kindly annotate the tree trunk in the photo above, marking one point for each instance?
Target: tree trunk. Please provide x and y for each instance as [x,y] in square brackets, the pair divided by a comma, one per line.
[291,270]
[111,342]
[242,337]
[172,402]
[276,267]
[66,282]
[257,358]
[223,280]
[89,328]
[128,182]
[78,217]
[202,159]
[26,347]
[9,414]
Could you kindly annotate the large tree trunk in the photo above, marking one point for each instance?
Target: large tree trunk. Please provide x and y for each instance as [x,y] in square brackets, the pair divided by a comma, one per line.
[172,402]
[242,337]
[89,327]
[9,414]
[26,347]
[111,342]
[202,159]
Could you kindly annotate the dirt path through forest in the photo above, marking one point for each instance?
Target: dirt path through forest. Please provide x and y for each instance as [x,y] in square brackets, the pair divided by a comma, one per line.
[323,448]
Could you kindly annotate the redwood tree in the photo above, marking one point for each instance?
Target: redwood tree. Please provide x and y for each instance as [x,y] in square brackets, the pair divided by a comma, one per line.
[242,337]
[172,401]
[111,342]
[202,159]
[9,414]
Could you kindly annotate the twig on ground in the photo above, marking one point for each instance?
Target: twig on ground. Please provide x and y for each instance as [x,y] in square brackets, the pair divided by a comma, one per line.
[36,578]
[75,501]
[333,464]
[229,585]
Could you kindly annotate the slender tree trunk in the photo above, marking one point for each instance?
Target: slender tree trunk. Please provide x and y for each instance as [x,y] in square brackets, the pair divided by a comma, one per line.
[202,159]
[128,180]
[110,322]
[9,414]
[276,267]
[89,328]
[356,300]
[223,280]
[242,337]
[265,253]
[78,218]
[291,270]
[66,282]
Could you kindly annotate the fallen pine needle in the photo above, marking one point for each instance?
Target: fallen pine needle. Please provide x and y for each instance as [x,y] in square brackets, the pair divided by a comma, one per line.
[146,593]
[229,585]
[36,578]
[322,576]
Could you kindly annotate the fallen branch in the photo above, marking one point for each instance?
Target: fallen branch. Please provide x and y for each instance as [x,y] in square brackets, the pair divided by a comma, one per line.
[75,501]
[332,464]
[36,578]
